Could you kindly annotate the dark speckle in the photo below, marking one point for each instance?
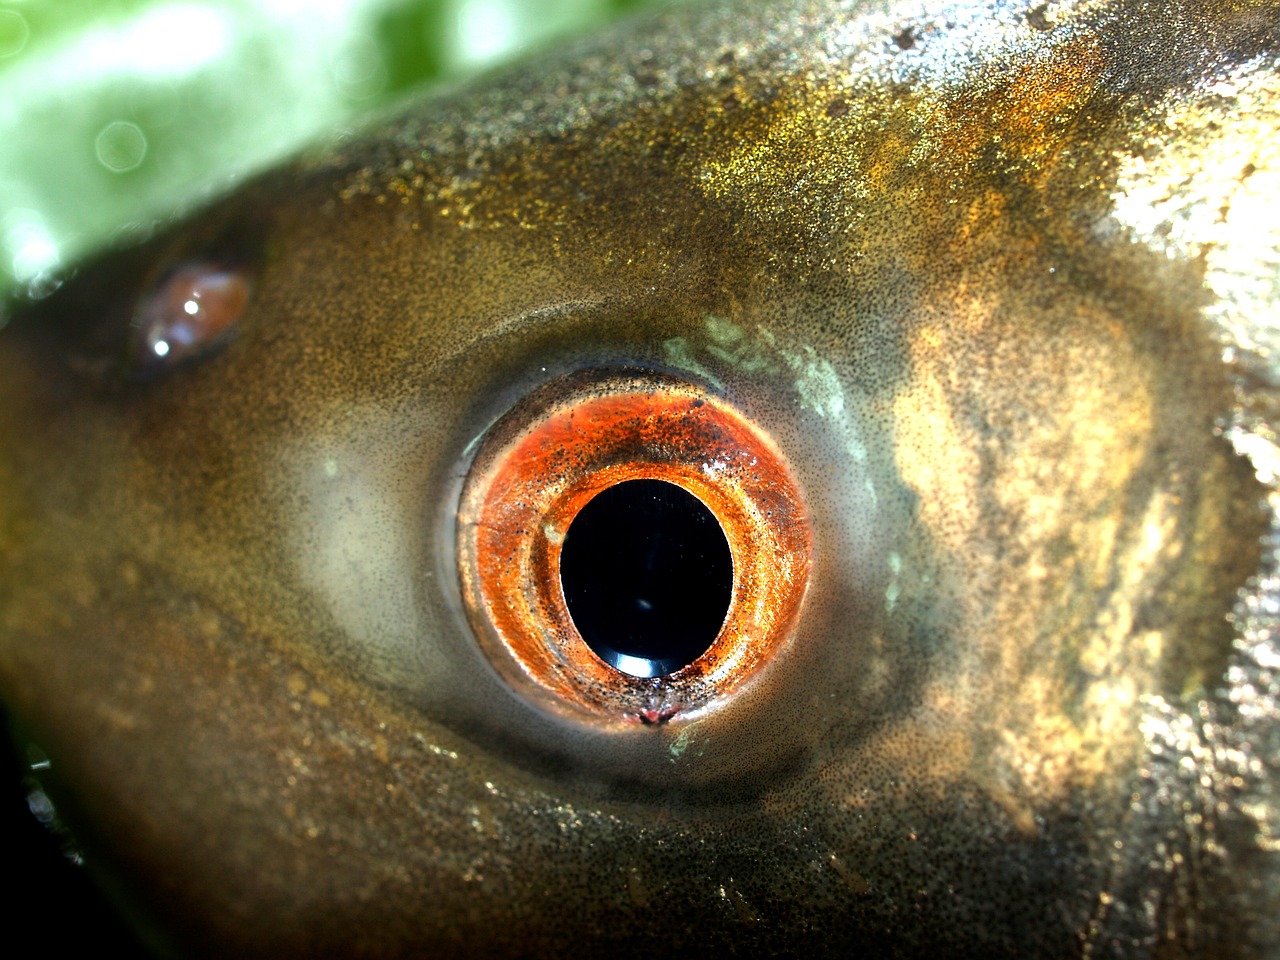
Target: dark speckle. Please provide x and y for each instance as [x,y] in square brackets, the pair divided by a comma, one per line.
[1036,16]
[905,39]
[837,107]
[726,58]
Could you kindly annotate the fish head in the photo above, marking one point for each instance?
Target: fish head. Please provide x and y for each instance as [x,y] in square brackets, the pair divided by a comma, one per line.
[957,318]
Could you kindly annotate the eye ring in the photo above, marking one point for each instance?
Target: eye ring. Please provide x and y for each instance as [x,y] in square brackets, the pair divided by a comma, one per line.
[551,455]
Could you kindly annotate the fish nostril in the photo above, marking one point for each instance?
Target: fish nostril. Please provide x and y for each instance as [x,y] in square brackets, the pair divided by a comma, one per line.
[190,312]
[647,576]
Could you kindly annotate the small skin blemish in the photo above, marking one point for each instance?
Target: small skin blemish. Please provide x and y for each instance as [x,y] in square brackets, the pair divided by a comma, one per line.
[654,717]
[636,889]
[852,879]
[682,742]
[741,909]
[436,749]
[894,590]
[130,576]
[1038,18]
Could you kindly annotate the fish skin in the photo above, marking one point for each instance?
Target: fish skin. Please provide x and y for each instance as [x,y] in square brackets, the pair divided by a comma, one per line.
[999,282]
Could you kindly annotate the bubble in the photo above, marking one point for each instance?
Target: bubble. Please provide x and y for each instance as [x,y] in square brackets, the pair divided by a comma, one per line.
[358,69]
[33,253]
[486,30]
[121,146]
[14,33]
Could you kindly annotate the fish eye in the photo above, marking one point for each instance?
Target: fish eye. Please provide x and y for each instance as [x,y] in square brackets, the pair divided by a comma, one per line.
[618,615]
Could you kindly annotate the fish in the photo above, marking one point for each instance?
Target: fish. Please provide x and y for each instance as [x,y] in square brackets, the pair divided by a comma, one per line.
[959,319]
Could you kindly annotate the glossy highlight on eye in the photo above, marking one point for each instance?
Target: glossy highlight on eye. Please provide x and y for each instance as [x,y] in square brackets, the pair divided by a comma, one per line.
[192,310]
[596,435]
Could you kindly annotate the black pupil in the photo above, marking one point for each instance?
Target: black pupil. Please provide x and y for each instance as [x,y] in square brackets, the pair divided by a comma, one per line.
[647,575]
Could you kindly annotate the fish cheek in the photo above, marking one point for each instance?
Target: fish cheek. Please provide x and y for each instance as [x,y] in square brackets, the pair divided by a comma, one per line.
[189,612]
[180,676]
[1072,491]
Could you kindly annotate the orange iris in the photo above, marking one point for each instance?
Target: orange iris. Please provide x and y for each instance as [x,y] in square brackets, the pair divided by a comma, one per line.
[547,458]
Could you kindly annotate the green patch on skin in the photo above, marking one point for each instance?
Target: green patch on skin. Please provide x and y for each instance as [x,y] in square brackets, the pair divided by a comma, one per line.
[679,355]
[816,383]
[894,590]
[685,739]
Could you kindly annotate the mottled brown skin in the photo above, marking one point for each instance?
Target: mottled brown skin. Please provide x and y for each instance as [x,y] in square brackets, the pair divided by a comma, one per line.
[1006,727]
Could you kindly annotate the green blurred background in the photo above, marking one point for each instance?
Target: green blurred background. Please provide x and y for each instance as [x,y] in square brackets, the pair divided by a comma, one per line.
[116,112]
